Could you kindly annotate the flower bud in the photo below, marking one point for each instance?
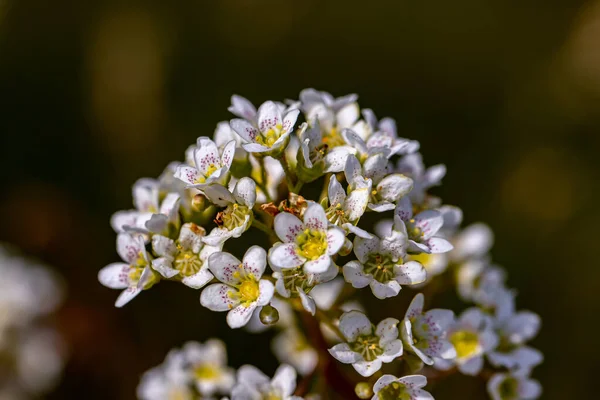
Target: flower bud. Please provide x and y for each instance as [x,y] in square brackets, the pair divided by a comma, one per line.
[199,202]
[363,390]
[269,315]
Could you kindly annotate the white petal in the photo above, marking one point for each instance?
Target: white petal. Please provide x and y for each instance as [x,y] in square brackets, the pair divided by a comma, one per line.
[335,159]
[442,318]
[206,155]
[164,266]
[385,290]
[223,266]
[474,240]
[315,218]
[404,209]
[289,120]
[383,382]
[429,221]
[353,273]
[387,330]
[266,290]
[130,247]
[245,192]
[471,367]
[244,129]
[308,303]
[283,255]
[255,261]
[375,167]
[228,154]
[255,148]
[416,306]
[344,354]
[163,246]
[127,295]
[434,175]
[366,368]
[335,192]
[357,201]
[240,315]
[530,389]
[269,116]
[394,186]
[357,231]
[355,141]
[115,275]
[217,237]
[364,247]
[218,195]
[187,174]
[348,113]
[216,297]
[251,375]
[354,324]
[381,206]
[410,273]
[438,245]
[284,380]
[414,381]
[318,266]
[241,107]
[391,351]
[145,194]
[199,279]
[287,227]
[352,170]
[335,240]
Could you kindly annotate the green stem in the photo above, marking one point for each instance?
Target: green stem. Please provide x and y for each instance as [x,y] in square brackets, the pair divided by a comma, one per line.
[286,169]
[263,183]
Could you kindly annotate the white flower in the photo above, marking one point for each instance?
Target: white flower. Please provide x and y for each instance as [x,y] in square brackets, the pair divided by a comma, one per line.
[381,264]
[472,336]
[208,366]
[242,107]
[242,290]
[424,179]
[270,134]
[169,380]
[224,134]
[383,136]
[346,210]
[295,282]
[332,114]
[409,387]
[185,258]
[422,229]
[506,386]
[514,329]
[145,194]
[134,275]
[310,242]
[367,347]
[237,216]
[290,346]
[424,334]
[252,384]
[387,189]
[211,165]
[472,242]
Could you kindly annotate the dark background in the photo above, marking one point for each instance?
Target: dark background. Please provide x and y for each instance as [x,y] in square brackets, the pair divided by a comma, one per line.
[95,94]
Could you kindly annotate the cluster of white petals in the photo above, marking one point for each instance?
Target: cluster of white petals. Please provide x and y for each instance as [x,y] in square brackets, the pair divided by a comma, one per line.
[343,202]
[31,351]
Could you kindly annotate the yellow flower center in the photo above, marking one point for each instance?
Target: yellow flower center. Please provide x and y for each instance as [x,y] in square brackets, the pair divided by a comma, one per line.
[312,243]
[333,138]
[271,396]
[209,171]
[178,394]
[206,372]
[249,291]
[394,391]
[187,263]
[269,137]
[466,343]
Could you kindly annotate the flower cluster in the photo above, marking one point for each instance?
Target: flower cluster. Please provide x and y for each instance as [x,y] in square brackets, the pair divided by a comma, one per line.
[312,175]
[31,351]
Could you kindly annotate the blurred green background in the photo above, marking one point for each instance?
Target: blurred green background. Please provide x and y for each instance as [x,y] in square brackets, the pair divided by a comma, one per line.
[95,94]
